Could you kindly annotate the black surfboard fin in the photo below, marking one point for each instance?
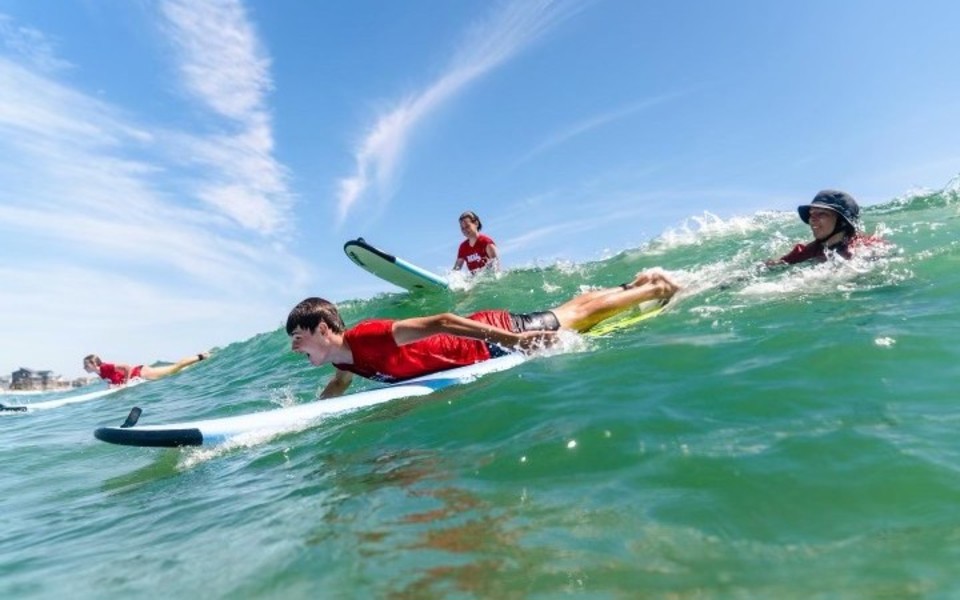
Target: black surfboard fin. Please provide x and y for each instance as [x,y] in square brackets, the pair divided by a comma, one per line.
[132,418]
[9,408]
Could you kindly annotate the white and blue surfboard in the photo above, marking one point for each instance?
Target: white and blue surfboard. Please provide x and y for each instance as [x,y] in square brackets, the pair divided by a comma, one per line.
[67,399]
[392,269]
[294,418]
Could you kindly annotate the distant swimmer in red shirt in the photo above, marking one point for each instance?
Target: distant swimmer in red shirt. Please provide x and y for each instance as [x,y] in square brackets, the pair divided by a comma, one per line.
[478,250]
[394,350]
[834,219]
[120,374]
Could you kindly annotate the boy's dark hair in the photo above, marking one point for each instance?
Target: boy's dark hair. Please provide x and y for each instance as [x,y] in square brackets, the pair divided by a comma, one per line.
[473,217]
[311,312]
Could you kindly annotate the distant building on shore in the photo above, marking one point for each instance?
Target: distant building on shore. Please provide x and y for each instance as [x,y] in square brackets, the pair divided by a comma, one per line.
[29,380]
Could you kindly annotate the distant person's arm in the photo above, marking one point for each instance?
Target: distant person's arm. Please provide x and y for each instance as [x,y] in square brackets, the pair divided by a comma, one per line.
[800,253]
[458,264]
[337,385]
[494,256]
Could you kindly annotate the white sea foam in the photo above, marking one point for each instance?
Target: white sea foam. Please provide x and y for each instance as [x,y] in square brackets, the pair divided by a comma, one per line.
[695,230]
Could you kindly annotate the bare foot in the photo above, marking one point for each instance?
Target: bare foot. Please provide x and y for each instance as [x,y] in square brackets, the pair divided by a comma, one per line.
[663,285]
[653,276]
[640,278]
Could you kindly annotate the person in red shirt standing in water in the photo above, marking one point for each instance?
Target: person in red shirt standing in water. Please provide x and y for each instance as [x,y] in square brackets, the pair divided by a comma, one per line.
[120,374]
[834,219]
[478,250]
[393,350]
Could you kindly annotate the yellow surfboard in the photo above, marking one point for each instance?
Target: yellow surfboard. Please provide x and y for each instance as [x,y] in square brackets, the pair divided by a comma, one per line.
[643,311]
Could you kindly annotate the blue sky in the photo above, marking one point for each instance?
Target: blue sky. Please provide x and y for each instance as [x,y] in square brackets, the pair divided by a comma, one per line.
[176,174]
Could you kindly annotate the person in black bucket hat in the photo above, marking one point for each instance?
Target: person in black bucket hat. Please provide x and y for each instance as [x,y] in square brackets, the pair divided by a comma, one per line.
[834,219]
[841,203]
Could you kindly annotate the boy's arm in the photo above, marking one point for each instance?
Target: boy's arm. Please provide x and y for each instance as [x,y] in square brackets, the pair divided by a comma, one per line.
[407,331]
[338,384]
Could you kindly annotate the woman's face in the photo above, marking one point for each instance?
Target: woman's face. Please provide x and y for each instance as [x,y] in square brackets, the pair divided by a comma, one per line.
[822,222]
[468,227]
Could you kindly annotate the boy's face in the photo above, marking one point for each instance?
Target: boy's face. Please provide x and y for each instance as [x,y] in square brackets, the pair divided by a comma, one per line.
[317,345]
[89,366]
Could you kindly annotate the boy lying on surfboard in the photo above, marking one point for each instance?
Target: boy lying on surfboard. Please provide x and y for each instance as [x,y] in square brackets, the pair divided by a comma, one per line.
[393,350]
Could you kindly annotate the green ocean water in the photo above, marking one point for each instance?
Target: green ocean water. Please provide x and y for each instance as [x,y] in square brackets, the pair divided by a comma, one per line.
[786,434]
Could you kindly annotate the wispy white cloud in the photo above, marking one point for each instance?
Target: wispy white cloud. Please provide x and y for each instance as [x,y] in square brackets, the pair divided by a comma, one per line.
[30,44]
[592,123]
[70,179]
[220,56]
[621,208]
[224,67]
[510,28]
[119,223]
[563,228]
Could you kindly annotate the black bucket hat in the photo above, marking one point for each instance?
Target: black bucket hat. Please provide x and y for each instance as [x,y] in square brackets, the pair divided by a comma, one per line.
[841,203]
